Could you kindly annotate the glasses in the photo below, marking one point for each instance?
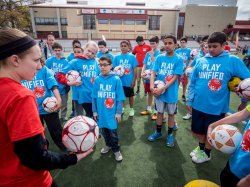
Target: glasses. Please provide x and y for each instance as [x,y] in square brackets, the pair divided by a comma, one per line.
[103,65]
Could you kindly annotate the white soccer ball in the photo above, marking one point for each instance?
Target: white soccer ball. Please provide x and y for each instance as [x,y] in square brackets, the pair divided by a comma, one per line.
[146,74]
[243,89]
[50,104]
[188,71]
[226,138]
[73,76]
[119,70]
[80,134]
[159,84]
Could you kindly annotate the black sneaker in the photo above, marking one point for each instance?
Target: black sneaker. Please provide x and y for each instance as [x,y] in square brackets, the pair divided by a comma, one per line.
[145,94]
[137,92]
[183,98]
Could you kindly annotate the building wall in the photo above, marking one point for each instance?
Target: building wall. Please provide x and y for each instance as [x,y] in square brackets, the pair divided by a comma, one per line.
[203,20]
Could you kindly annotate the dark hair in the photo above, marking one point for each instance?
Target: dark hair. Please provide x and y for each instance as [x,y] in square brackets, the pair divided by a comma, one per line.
[139,39]
[204,38]
[217,37]
[106,58]
[183,39]
[76,42]
[124,41]
[56,46]
[102,42]
[171,37]
[162,48]
[78,47]
[154,39]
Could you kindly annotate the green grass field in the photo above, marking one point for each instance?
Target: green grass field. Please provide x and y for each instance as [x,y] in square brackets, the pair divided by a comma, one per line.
[145,163]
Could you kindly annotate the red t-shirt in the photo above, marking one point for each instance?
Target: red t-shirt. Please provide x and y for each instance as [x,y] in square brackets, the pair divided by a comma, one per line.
[19,119]
[140,52]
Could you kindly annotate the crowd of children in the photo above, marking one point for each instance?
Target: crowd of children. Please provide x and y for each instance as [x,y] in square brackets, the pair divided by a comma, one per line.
[101,94]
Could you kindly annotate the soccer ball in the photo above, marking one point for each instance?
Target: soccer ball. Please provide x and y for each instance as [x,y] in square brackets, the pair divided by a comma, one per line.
[80,134]
[188,71]
[159,84]
[49,104]
[243,89]
[194,52]
[233,83]
[226,138]
[73,76]
[146,74]
[119,70]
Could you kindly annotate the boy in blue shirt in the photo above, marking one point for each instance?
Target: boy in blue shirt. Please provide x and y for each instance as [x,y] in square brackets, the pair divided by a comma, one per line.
[168,67]
[56,63]
[208,92]
[103,51]
[238,166]
[184,52]
[129,63]
[107,97]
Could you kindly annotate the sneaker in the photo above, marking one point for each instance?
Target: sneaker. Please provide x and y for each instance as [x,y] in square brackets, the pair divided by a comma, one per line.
[146,112]
[131,112]
[137,92]
[118,156]
[201,157]
[170,140]
[183,98]
[154,116]
[187,116]
[155,136]
[105,149]
[123,110]
[195,151]
[145,94]
[175,128]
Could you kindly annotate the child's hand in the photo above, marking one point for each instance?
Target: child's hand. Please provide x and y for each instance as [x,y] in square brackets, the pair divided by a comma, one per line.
[209,131]
[83,155]
[158,91]
[58,105]
[95,116]
[133,84]
[118,118]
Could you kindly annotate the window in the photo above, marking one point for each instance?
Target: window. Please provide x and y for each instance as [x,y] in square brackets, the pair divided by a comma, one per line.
[64,34]
[103,21]
[140,22]
[45,21]
[89,22]
[154,22]
[181,21]
[116,22]
[129,22]
[64,21]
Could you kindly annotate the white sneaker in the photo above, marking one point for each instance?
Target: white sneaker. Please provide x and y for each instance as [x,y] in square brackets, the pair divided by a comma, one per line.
[105,149]
[131,112]
[201,158]
[187,116]
[195,151]
[118,156]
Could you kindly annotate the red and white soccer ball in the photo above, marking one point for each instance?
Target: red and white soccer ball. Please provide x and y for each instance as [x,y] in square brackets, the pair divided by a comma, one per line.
[80,134]
[146,74]
[50,104]
[226,138]
[194,52]
[119,70]
[159,84]
[73,76]
[243,89]
[189,71]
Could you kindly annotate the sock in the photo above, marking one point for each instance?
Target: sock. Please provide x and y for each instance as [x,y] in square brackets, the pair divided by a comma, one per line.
[138,88]
[202,146]
[149,108]
[207,151]
[158,128]
[170,130]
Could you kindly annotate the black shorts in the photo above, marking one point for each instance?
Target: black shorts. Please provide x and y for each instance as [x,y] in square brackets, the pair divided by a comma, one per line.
[128,91]
[201,121]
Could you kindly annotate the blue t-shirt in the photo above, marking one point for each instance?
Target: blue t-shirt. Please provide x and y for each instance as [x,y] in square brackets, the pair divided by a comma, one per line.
[166,67]
[107,90]
[196,58]
[185,54]
[88,69]
[70,57]
[41,86]
[56,65]
[239,162]
[129,63]
[208,90]
[108,54]
[148,61]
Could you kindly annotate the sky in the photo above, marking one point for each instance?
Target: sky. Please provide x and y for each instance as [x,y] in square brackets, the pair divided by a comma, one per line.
[242,14]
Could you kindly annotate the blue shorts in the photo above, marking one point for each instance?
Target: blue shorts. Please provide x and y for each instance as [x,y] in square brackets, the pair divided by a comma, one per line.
[201,121]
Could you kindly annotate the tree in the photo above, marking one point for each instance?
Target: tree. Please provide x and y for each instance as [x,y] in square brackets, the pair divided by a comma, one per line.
[15,14]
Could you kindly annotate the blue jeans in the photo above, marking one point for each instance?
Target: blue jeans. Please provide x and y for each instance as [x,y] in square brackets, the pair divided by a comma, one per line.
[111,139]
